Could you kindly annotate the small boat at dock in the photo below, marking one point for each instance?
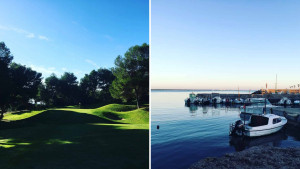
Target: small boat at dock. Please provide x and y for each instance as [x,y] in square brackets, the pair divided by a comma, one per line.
[191,100]
[297,102]
[257,125]
[205,101]
[238,101]
[216,100]
[227,101]
[257,101]
[285,101]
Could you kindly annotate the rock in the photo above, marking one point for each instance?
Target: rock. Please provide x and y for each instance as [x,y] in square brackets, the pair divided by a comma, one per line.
[263,157]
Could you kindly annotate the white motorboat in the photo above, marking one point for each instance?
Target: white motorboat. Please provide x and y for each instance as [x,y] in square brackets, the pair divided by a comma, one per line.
[259,101]
[249,101]
[259,106]
[258,125]
[205,101]
[227,101]
[216,100]
[192,99]
[238,101]
[285,101]
[258,109]
[297,102]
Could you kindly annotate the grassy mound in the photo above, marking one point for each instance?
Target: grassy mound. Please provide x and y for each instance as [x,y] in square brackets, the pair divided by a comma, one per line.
[118,107]
[112,116]
[21,115]
[76,138]
[123,114]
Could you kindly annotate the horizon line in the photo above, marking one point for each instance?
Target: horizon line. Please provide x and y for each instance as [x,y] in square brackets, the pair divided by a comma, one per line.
[206,89]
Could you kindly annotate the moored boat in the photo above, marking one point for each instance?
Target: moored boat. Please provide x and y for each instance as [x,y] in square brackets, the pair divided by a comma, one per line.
[238,101]
[285,101]
[216,100]
[297,102]
[258,125]
[192,99]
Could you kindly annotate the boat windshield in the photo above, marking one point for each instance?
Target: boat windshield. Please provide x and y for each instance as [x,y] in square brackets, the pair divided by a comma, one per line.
[258,121]
[245,116]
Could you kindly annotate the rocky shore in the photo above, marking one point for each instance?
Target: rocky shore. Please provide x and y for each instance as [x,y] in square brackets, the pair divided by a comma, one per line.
[263,157]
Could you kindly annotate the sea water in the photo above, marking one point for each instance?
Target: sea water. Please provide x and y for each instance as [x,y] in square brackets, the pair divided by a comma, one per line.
[189,134]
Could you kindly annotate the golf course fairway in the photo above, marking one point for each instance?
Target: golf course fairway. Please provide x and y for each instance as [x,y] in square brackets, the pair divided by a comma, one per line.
[112,136]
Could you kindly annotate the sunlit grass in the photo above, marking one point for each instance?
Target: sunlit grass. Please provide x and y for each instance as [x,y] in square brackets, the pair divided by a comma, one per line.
[124,114]
[58,141]
[127,114]
[9,143]
[20,115]
[124,126]
[81,138]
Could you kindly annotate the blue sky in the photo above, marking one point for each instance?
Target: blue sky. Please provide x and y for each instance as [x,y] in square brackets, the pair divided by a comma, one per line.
[211,44]
[54,36]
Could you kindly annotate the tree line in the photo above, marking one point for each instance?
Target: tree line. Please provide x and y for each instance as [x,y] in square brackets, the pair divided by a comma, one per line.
[23,88]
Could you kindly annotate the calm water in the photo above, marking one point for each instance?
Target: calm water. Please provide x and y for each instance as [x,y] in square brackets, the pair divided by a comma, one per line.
[188,134]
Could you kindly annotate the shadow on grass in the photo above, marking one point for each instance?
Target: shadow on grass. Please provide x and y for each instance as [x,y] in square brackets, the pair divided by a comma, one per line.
[112,116]
[54,117]
[21,112]
[66,139]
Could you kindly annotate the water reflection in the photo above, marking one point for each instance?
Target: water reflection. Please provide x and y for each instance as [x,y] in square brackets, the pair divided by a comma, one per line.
[241,143]
[213,109]
[193,108]
[293,132]
[205,109]
[189,134]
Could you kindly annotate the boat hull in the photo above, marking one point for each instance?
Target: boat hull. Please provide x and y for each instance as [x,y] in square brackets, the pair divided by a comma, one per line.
[250,131]
[262,132]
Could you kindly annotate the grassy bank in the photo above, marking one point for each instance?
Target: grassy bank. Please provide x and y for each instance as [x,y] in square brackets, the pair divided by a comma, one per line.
[112,136]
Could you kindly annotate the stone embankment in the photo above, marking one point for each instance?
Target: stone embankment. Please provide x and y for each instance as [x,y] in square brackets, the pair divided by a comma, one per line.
[263,157]
[273,98]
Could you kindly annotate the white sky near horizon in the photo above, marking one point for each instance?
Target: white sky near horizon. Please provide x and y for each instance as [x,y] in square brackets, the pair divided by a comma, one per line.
[224,44]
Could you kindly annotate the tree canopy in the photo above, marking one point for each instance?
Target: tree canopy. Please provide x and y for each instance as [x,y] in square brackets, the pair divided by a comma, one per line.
[5,81]
[25,83]
[18,83]
[128,81]
[95,86]
[132,75]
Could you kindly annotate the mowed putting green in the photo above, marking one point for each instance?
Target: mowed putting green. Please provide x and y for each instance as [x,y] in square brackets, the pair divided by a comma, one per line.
[113,136]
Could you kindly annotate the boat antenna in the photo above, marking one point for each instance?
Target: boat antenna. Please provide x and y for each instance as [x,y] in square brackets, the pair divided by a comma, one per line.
[265,106]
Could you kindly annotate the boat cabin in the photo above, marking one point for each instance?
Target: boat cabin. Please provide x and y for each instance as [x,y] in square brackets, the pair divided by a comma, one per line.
[258,120]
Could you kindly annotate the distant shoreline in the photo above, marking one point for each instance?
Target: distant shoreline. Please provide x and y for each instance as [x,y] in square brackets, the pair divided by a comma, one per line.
[199,90]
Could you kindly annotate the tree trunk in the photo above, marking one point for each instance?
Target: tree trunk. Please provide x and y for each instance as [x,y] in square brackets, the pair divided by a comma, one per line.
[137,98]
[2,113]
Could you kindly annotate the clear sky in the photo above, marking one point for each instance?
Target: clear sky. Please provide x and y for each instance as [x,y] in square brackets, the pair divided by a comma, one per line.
[54,36]
[211,44]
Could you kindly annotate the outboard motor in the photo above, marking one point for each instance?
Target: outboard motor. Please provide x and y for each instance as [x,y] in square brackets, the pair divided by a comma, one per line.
[214,101]
[188,102]
[237,128]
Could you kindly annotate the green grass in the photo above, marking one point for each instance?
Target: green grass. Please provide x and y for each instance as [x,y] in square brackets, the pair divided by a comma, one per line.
[112,136]
[21,115]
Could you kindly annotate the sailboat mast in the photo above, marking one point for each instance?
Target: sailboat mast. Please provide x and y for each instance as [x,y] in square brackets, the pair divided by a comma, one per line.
[239,93]
[276,85]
